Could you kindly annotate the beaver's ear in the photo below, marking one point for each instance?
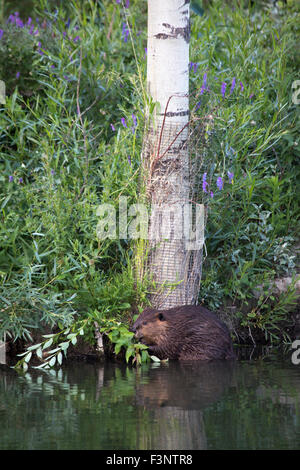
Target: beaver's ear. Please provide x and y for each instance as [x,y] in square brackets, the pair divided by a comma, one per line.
[161,317]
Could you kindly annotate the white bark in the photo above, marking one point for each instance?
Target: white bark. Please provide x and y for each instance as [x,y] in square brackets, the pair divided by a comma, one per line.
[168,57]
[166,150]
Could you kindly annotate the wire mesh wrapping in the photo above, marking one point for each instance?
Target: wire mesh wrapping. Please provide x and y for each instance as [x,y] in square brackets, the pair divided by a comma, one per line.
[172,166]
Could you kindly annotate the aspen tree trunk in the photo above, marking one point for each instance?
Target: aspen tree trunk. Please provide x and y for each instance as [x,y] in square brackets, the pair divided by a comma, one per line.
[165,154]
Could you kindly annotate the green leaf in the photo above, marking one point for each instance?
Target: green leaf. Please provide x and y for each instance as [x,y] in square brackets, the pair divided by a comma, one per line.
[22,354]
[52,351]
[138,358]
[155,359]
[145,356]
[48,343]
[118,347]
[59,358]
[39,353]
[35,346]
[71,336]
[28,357]
[64,345]
[52,361]
[129,353]
[5,201]
[125,306]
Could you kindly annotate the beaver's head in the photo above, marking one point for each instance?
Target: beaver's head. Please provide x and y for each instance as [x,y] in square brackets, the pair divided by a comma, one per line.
[150,328]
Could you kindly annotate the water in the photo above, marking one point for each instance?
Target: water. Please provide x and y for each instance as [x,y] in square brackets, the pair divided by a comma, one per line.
[222,405]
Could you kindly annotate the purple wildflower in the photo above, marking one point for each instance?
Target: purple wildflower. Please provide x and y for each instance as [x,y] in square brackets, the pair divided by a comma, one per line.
[10,178]
[77,38]
[39,49]
[123,122]
[194,66]
[202,90]
[52,172]
[223,89]
[145,54]
[67,24]
[21,180]
[134,119]
[242,86]
[118,1]
[129,159]
[1,33]
[19,23]
[29,21]
[204,183]
[219,183]
[127,4]
[198,105]
[11,19]
[232,85]
[17,75]
[204,84]
[211,194]
[251,96]
[125,32]
[113,127]
[230,176]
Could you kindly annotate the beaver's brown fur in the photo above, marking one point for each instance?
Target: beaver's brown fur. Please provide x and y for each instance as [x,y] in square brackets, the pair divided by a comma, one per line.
[184,333]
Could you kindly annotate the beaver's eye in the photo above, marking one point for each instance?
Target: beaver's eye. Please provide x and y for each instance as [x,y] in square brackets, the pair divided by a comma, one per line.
[161,317]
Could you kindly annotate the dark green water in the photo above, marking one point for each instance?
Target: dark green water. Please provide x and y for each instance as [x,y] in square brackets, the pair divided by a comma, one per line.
[241,405]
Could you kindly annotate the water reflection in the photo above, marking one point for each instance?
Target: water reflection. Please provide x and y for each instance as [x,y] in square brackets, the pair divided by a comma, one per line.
[176,394]
[175,406]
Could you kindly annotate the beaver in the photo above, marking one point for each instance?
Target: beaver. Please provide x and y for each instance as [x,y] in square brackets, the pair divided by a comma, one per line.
[187,332]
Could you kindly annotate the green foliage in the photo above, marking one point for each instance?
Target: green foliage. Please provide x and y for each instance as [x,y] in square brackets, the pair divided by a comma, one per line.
[270,314]
[250,58]
[64,150]
[61,340]
[60,159]
[121,337]
[117,332]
